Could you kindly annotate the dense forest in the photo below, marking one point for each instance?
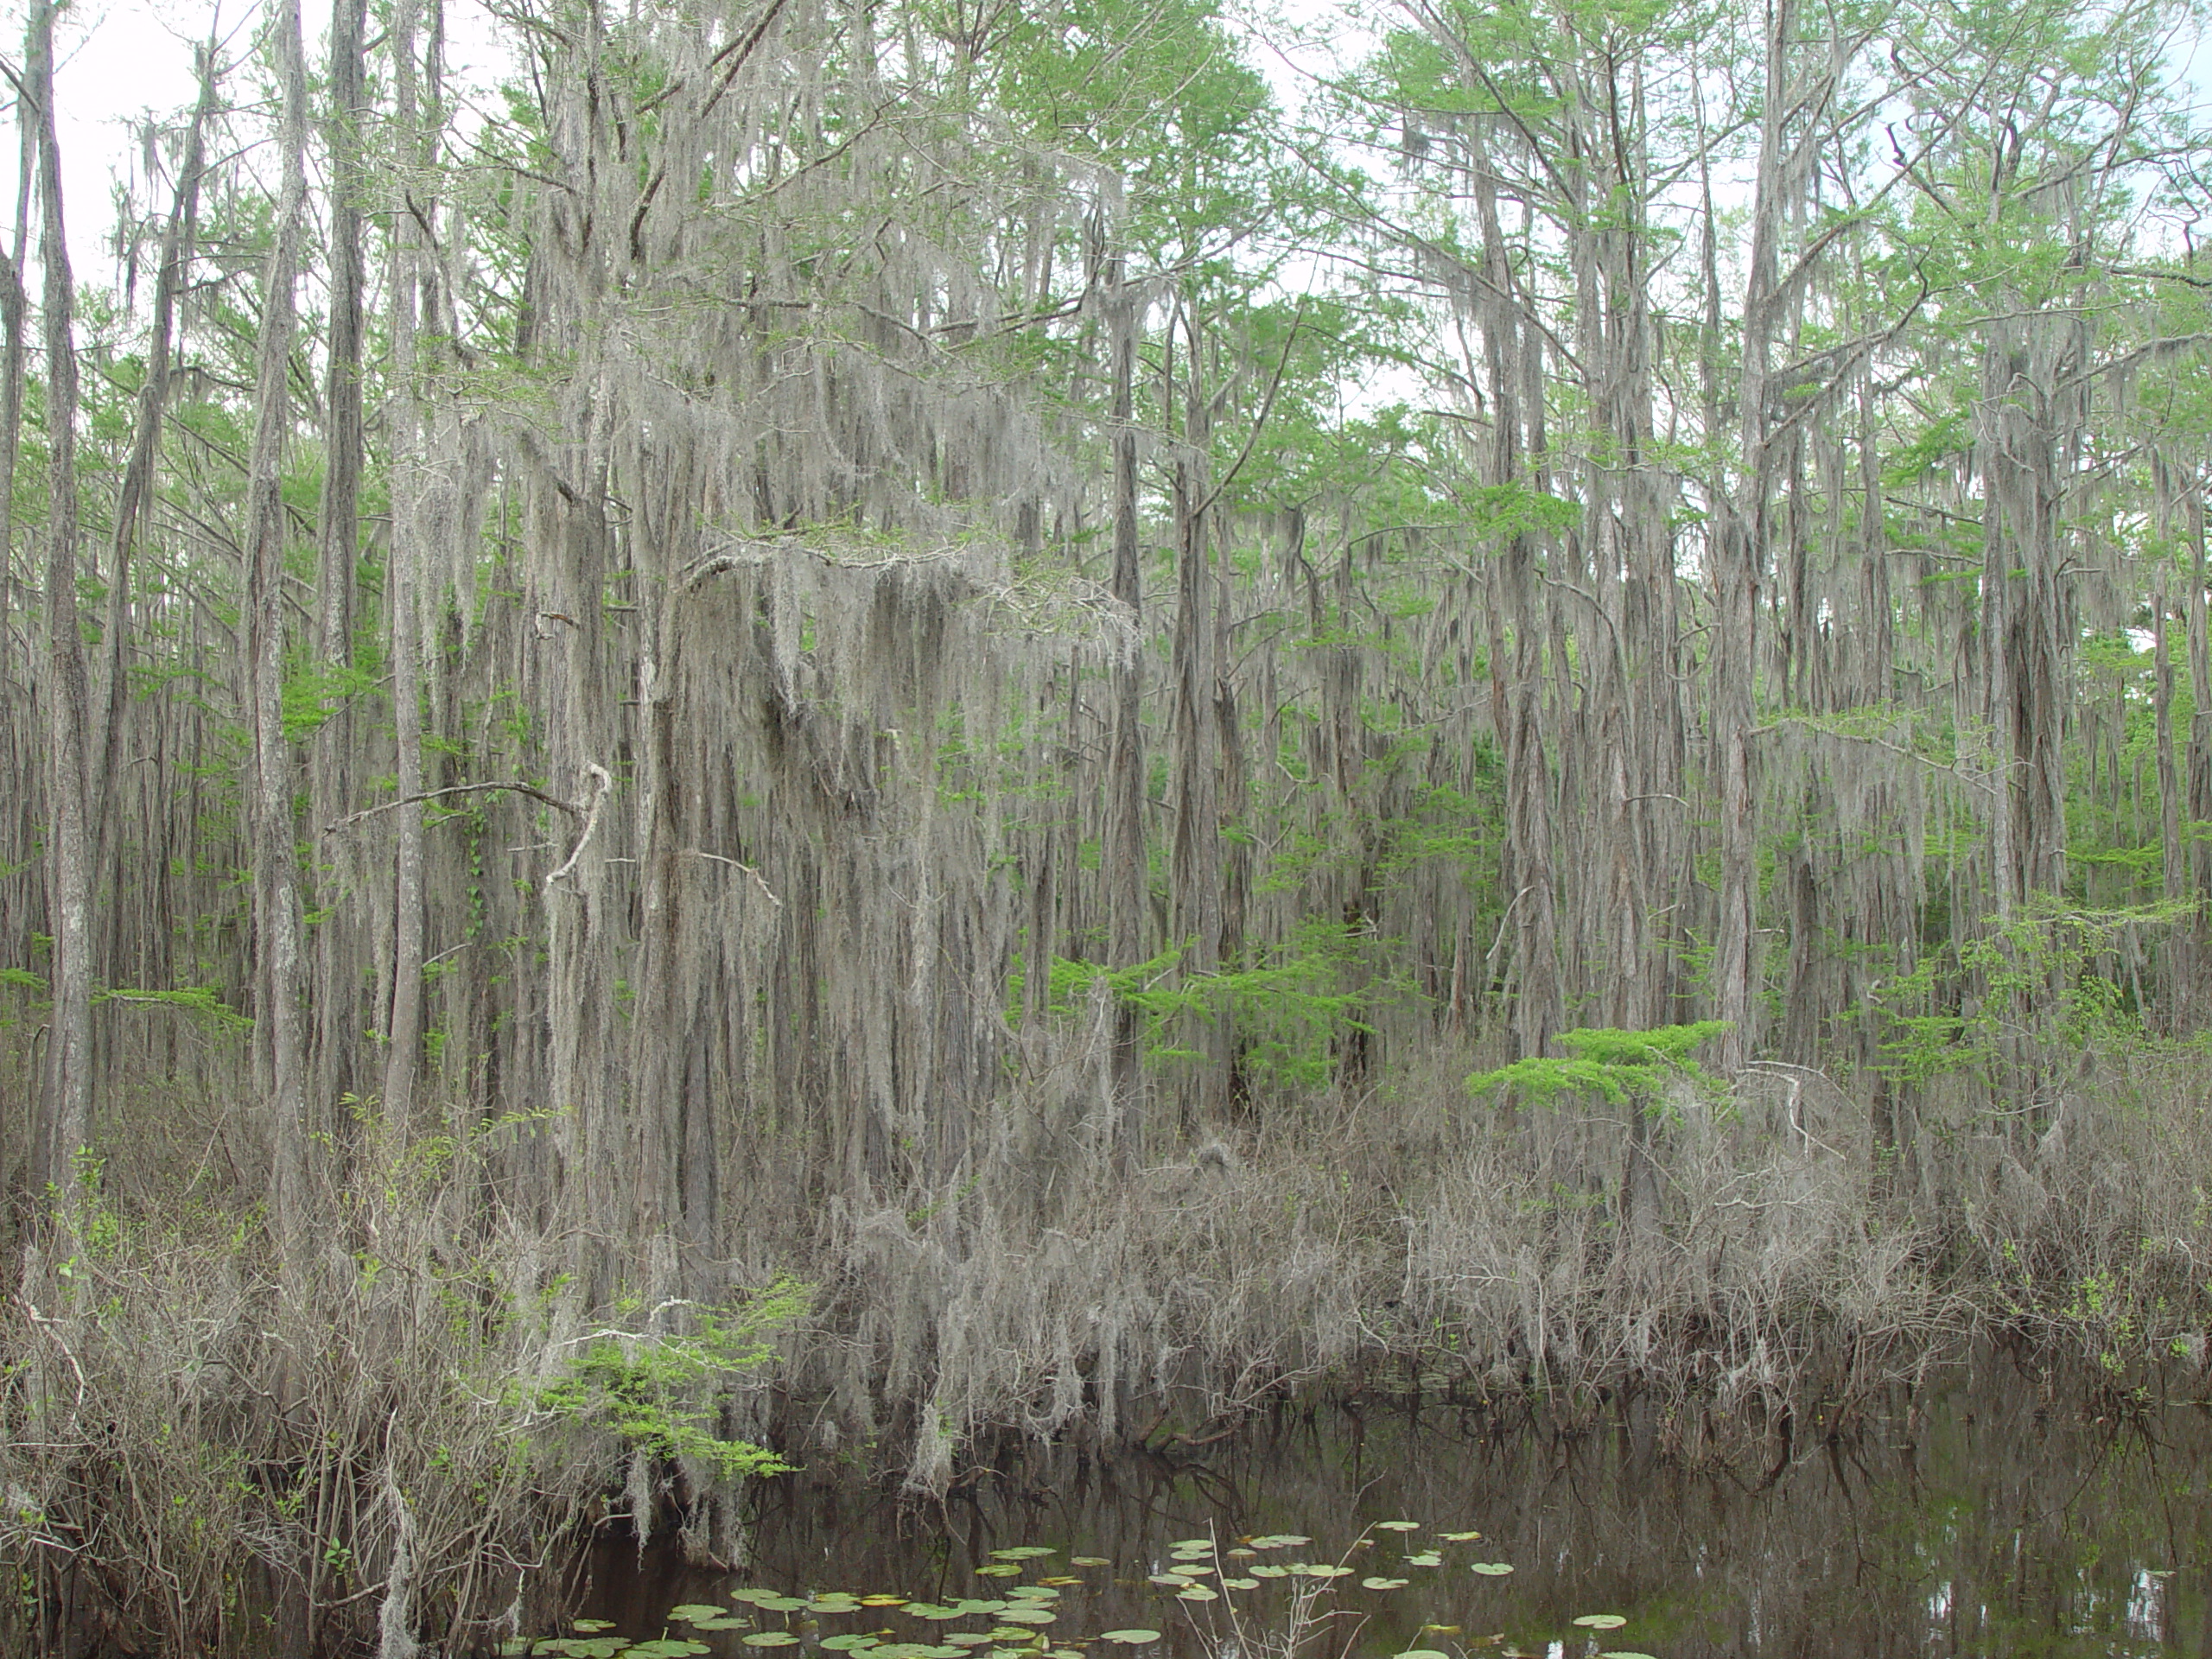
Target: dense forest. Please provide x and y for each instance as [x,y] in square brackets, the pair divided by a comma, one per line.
[847,726]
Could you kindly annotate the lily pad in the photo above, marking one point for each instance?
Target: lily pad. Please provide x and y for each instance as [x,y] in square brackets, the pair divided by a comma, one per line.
[1090,1560]
[1061,1578]
[883,1601]
[1383,1584]
[1397,1526]
[1130,1638]
[781,1605]
[665,1647]
[1190,1570]
[1000,1570]
[1205,1544]
[1462,1537]
[1028,1616]
[1601,1621]
[1239,1584]
[1197,1593]
[1033,1593]
[591,1625]
[852,1642]
[719,1624]
[1624,1653]
[1323,1570]
[1425,1558]
[1263,1570]
[1165,1580]
[770,1639]
[1491,1569]
[755,1596]
[836,1601]
[1279,1541]
[692,1611]
[1422,1653]
[1023,1553]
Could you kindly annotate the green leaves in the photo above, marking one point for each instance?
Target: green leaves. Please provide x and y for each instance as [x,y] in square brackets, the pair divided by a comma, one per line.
[1619,1066]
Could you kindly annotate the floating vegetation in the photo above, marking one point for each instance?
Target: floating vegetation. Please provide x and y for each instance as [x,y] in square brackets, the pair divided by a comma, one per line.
[1011,1625]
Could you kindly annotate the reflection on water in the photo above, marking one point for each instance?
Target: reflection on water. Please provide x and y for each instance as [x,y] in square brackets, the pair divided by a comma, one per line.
[1989,1515]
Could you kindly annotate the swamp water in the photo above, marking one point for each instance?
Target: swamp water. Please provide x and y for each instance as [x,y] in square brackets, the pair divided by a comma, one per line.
[1991,1513]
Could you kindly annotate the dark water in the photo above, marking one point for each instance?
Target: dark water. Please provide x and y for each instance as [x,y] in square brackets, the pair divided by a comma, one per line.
[1993,1513]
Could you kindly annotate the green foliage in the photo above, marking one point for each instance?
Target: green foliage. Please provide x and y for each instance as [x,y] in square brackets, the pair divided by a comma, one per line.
[1289,1011]
[1620,1065]
[661,1393]
[203,1003]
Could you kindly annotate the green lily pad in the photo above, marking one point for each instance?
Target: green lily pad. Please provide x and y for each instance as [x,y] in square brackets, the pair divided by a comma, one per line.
[836,1601]
[1028,1616]
[1462,1537]
[1023,1553]
[722,1624]
[1000,1570]
[852,1642]
[880,1600]
[1492,1569]
[590,1625]
[770,1639]
[1033,1593]
[755,1596]
[1624,1653]
[1130,1638]
[1205,1544]
[1190,1570]
[1422,1653]
[1279,1541]
[1601,1621]
[1239,1584]
[665,1647]
[1165,1580]
[1397,1526]
[1383,1584]
[781,1605]
[1263,1570]
[1427,1558]
[1090,1560]
[970,1639]
[1197,1593]
[1324,1571]
[692,1611]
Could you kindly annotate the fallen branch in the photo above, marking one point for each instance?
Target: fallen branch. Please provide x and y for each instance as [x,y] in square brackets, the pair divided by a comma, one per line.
[534,792]
[601,784]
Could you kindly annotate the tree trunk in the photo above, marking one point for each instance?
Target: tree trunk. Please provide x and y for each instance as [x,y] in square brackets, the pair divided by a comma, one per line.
[278,1024]
[68,714]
